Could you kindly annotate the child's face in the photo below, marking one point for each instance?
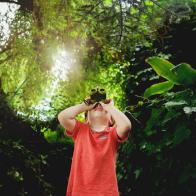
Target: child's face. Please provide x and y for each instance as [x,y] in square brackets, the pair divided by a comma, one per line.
[99,112]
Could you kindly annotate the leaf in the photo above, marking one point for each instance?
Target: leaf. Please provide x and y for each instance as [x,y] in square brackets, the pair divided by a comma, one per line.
[170,115]
[175,103]
[158,88]
[107,2]
[137,172]
[185,74]
[189,110]
[163,68]
[181,134]
[149,3]
[151,126]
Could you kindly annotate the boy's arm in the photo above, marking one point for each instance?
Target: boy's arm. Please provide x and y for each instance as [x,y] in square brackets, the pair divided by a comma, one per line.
[123,124]
[67,116]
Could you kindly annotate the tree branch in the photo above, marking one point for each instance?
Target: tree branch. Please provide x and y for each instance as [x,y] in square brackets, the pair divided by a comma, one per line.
[120,24]
[10,1]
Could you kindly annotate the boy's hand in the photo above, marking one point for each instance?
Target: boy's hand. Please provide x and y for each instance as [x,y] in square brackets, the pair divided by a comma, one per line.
[88,103]
[108,105]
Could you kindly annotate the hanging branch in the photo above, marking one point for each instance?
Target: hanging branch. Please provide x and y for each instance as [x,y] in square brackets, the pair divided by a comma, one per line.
[120,24]
[6,59]
[167,10]
[89,11]
[10,1]
[26,5]
[22,84]
[16,91]
[107,16]
[9,45]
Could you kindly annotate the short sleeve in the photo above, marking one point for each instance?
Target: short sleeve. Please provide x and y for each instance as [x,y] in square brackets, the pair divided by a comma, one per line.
[73,134]
[118,138]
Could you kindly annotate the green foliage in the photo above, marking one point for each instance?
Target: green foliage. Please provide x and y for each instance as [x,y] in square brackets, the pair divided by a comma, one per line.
[181,134]
[160,146]
[182,74]
[50,135]
[107,2]
[158,88]
[18,165]
[110,40]
[185,74]
[56,136]
[162,68]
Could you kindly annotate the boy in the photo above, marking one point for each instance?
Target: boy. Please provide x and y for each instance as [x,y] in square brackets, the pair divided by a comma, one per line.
[93,169]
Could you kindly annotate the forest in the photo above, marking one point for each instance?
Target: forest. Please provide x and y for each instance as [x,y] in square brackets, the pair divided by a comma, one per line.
[142,52]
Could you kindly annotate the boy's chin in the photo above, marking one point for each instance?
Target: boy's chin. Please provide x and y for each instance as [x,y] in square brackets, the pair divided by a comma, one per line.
[95,109]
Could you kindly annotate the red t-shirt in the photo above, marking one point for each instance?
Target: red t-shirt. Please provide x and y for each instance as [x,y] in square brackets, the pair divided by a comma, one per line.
[93,168]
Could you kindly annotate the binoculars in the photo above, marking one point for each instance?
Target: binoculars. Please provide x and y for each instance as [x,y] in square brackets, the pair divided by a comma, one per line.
[97,94]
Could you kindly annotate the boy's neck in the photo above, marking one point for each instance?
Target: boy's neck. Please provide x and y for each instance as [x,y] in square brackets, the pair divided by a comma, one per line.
[98,127]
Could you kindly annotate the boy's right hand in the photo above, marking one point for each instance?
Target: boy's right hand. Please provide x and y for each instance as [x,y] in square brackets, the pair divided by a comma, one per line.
[89,104]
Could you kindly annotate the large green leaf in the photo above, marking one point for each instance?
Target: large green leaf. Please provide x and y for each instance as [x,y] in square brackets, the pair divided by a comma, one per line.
[163,68]
[158,88]
[185,74]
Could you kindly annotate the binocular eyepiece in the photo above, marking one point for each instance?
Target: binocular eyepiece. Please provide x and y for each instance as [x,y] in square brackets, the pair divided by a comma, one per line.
[96,95]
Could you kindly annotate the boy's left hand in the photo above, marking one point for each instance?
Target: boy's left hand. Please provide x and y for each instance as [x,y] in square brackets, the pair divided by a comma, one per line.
[108,105]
